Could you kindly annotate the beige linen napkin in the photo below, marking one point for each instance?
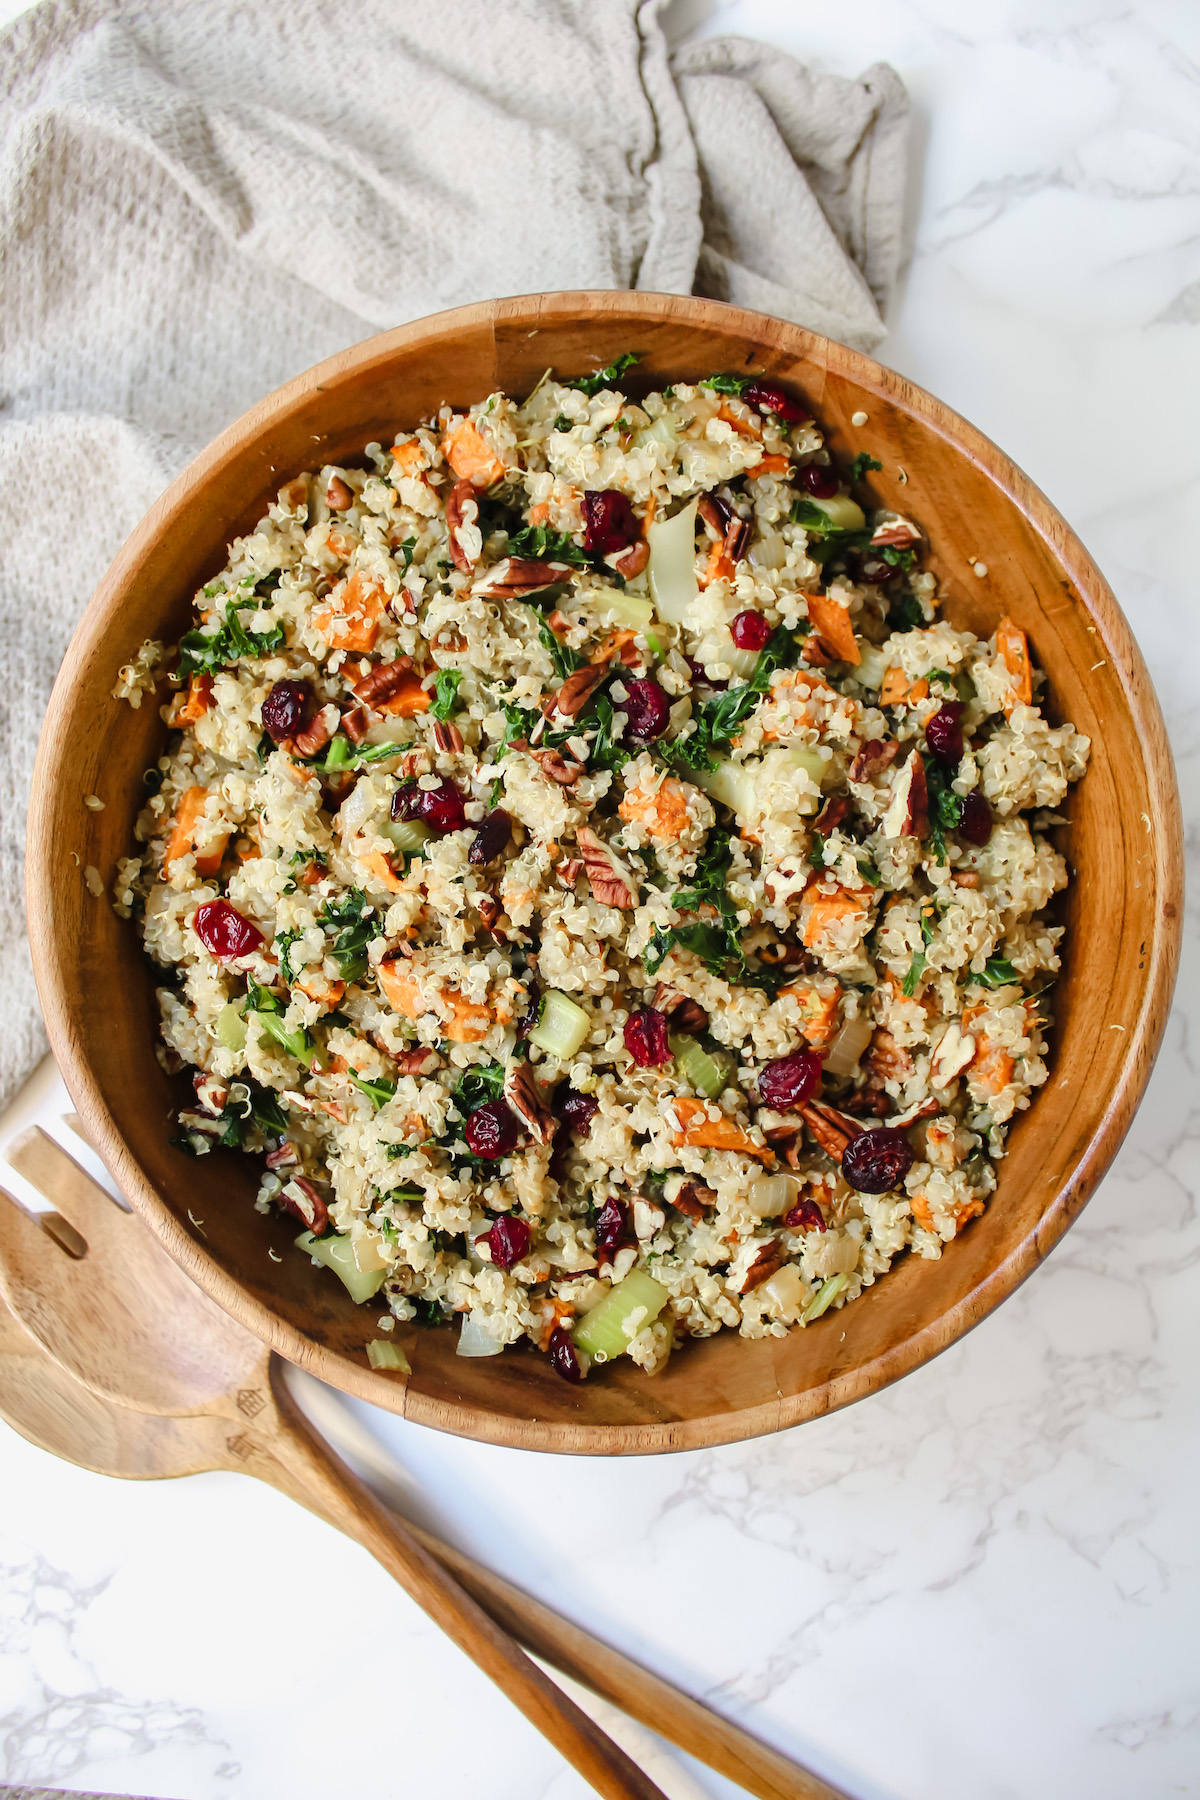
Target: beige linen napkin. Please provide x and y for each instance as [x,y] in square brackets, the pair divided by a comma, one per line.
[200,198]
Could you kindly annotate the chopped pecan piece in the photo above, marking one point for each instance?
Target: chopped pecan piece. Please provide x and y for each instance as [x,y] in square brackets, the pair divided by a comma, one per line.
[907,811]
[886,1060]
[314,739]
[488,908]
[563,769]
[923,1109]
[355,723]
[381,683]
[684,1013]
[448,738]
[569,871]
[965,878]
[515,576]
[284,1156]
[694,1199]
[832,1129]
[895,532]
[769,1258]
[782,955]
[831,815]
[873,757]
[578,689]
[608,884]
[418,1062]
[338,497]
[212,1094]
[462,510]
[712,516]
[633,561]
[302,1200]
[869,1102]
[526,1095]
[416,762]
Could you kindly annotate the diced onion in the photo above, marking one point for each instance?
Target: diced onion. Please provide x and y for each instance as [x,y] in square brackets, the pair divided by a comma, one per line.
[849,1045]
[231,1026]
[368,1251]
[474,1339]
[631,611]
[562,1028]
[770,1195]
[873,665]
[336,1253]
[770,552]
[811,761]
[841,511]
[788,1291]
[717,647]
[730,783]
[663,431]
[672,570]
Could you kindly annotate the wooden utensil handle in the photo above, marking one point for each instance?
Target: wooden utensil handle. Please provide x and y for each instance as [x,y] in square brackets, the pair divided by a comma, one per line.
[704,1734]
[351,1505]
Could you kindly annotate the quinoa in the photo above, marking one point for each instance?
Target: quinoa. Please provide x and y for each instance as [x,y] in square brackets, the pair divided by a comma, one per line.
[578,839]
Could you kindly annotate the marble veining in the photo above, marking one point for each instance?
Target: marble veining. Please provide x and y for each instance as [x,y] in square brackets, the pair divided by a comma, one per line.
[982,1582]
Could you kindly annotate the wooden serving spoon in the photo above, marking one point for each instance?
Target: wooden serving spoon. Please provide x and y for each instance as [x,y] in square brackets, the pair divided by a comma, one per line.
[120,1364]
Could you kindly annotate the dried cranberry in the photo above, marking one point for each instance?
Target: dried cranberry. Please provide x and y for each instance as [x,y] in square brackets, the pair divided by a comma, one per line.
[646,1038]
[806,1215]
[769,398]
[819,480]
[877,1161]
[609,521]
[874,571]
[750,631]
[223,931]
[508,1240]
[790,1080]
[976,821]
[492,1130]
[943,732]
[647,710]
[285,709]
[577,1110]
[491,838]
[611,1225]
[441,807]
[563,1359]
[701,675]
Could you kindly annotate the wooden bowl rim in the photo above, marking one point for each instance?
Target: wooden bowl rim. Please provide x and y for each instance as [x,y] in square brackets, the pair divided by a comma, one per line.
[1140,1045]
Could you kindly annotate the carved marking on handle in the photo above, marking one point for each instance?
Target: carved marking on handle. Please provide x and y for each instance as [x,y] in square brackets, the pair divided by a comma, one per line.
[250,1401]
[241,1446]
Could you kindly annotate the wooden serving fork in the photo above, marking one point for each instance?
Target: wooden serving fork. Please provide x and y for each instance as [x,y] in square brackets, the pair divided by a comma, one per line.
[115,1360]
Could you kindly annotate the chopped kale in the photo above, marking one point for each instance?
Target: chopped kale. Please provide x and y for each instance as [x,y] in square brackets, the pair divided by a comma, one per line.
[406,551]
[562,423]
[380,1091]
[997,973]
[201,651]
[565,660]
[283,948]
[726,384]
[479,1084]
[607,752]
[349,949]
[945,806]
[429,1312]
[592,385]
[519,722]
[445,693]
[716,942]
[268,1010]
[543,545]
[816,854]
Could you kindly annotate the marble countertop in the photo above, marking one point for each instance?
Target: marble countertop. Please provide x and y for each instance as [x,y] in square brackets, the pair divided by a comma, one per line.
[983,1582]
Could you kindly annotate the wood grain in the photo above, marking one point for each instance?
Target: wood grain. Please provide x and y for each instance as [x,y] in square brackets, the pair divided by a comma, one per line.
[1122,912]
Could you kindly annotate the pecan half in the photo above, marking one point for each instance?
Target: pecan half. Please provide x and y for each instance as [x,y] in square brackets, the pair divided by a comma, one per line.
[338,497]
[448,738]
[769,1258]
[380,683]
[578,689]
[284,1156]
[833,1130]
[462,509]
[684,1013]
[605,879]
[923,1109]
[869,1102]
[514,576]
[526,1095]
[355,723]
[302,1200]
[896,532]
[488,908]
[565,770]
[886,1060]
[694,1199]
[873,757]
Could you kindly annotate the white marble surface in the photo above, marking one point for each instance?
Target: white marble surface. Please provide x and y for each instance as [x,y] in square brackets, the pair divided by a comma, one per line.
[985,1581]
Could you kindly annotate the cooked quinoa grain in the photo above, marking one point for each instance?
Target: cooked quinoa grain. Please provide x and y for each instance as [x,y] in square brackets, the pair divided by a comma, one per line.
[583,855]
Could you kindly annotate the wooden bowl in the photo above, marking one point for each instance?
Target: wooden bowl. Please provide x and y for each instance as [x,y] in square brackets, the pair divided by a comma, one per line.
[1122,911]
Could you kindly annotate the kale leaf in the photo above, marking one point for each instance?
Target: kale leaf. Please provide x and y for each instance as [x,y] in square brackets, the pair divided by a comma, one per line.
[201,651]
[544,545]
[445,693]
[860,465]
[591,385]
[726,384]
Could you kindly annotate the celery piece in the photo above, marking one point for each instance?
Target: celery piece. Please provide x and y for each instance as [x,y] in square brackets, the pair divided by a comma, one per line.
[408,835]
[730,783]
[843,513]
[601,1331]
[383,1354]
[672,571]
[709,1075]
[336,1253]
[231,1027]
[627,610]
[562,1026]
[824,1298]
